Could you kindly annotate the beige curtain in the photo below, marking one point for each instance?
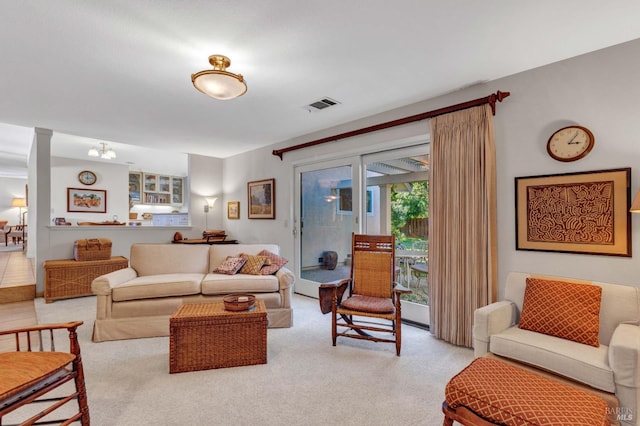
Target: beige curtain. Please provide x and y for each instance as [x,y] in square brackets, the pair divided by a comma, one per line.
[462,221]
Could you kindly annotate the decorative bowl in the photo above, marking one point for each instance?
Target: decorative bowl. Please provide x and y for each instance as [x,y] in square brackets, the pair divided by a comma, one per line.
[239,302]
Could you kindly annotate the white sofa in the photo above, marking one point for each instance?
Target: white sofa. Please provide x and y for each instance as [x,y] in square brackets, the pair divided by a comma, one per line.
[612,367]
[138,301]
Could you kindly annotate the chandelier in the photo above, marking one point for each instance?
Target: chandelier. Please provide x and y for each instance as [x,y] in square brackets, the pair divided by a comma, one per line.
[102,152]
[218,82]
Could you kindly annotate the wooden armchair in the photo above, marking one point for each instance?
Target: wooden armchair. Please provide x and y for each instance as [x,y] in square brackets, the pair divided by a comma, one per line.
[15,232]
[32,371]
[372,309]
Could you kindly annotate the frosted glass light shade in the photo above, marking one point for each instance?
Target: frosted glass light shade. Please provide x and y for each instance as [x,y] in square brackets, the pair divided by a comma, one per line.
[219,83]
[211,201]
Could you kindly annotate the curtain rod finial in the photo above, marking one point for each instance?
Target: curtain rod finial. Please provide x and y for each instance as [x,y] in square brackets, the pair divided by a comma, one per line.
[498,96]
[502,95]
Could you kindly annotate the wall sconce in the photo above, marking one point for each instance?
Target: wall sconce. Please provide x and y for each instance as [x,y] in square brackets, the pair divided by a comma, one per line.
[210,202]
[208,206]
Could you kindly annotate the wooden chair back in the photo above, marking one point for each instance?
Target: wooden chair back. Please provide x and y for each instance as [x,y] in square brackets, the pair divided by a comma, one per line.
[373,265]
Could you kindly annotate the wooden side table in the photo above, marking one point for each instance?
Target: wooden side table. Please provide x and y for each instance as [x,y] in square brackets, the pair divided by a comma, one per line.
[204,336]
[67,278]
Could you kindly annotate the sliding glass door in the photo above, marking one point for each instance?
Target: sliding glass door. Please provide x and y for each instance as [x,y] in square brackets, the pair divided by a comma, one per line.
[397,185]
[326,216]
[377,194]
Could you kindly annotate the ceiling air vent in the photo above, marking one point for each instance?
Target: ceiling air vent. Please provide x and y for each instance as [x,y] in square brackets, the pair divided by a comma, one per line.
[321,104]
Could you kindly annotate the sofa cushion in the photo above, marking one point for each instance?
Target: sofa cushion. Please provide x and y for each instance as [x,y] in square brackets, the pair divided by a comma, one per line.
[275,262]
[239,283]
[230,266]
[562,309]
[586,364]
[155,259]
[152,286]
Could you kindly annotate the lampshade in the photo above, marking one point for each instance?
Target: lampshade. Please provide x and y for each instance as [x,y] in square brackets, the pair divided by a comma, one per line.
[211,201]
[19,202]
[635,206]
[102,152]
[219,83]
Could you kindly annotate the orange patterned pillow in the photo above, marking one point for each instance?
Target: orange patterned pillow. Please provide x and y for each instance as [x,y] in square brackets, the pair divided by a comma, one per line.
[253,264]
[562,309]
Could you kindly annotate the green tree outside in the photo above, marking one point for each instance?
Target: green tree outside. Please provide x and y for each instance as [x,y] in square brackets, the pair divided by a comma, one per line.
[407,205]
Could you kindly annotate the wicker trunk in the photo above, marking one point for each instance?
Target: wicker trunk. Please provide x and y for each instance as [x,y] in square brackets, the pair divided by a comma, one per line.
[92,249]
[205,335]
[68,278]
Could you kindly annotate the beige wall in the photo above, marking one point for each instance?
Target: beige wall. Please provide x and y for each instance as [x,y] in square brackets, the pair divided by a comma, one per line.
[599,90]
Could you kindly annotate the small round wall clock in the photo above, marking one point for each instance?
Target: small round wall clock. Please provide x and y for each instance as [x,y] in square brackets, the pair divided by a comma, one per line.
[87,177]
[570,143]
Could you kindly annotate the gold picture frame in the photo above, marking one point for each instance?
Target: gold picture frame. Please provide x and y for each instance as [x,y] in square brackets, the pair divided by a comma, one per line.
[585,212]
[261,195]
[233,210]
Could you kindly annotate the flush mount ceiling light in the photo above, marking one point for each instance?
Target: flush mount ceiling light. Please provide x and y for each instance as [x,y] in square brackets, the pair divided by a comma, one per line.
[218,82]
[102,152]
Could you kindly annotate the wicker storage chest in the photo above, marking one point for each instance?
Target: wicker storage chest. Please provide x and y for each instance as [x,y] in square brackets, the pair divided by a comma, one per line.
[92,249]
[204,336]
[68,278]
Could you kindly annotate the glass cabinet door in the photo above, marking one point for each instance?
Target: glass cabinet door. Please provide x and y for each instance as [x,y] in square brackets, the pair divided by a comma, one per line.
[177,185]
[164,184]
[150,182]
[135,190]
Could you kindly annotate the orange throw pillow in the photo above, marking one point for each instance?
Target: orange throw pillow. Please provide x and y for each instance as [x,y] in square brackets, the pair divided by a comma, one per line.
[253,264]
[562,309]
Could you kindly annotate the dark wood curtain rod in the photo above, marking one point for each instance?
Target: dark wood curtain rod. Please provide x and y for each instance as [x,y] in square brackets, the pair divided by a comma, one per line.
[491,99]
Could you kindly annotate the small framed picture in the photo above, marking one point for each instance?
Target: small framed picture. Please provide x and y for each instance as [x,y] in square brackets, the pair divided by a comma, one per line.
[261,197]
[233,210]
[86,200]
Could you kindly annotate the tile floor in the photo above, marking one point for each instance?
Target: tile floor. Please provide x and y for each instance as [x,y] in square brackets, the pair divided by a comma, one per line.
[15,271]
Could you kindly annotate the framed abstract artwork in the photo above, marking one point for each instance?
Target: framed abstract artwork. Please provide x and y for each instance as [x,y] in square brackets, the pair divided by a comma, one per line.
[261,197]
[86,200]
[586,212]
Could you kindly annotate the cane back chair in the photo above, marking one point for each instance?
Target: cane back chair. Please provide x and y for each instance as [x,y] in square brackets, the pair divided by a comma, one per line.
[30,372]
[371,309]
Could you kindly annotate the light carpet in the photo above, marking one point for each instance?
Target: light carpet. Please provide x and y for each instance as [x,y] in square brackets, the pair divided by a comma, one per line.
[306,380]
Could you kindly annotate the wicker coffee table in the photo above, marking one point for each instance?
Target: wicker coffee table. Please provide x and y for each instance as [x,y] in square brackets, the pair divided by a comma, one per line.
[205,336]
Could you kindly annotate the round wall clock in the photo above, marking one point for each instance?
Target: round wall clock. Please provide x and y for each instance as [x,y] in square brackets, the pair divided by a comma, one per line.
[570,143]
[87,177]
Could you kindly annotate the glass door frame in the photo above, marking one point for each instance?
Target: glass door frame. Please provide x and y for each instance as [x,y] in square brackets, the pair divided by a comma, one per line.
[303,286]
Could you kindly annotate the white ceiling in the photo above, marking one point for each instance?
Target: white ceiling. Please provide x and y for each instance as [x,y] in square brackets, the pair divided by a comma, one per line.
[120,70]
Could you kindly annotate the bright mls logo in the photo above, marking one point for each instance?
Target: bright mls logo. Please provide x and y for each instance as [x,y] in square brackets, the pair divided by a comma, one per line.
[622,413]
